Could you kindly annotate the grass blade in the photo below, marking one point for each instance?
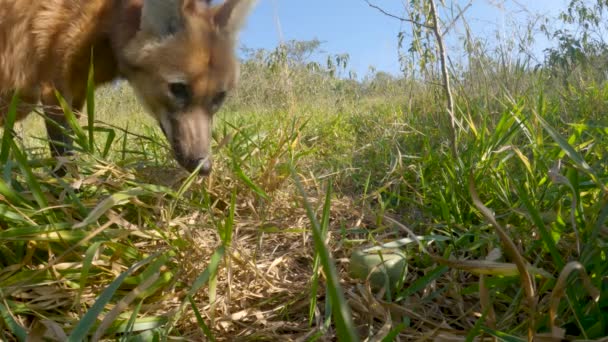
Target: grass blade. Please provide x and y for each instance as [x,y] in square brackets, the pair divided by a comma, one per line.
[571,152]
[115,199]
[10,322]
[81,137]
[90,318]
[341,310]
[8,135]
[200,320]
[91,104]
[31,180]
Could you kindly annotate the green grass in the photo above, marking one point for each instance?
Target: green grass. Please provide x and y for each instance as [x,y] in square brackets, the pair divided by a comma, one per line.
[130,246]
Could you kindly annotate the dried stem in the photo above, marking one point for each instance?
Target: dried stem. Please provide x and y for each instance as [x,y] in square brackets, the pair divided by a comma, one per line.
[445,74]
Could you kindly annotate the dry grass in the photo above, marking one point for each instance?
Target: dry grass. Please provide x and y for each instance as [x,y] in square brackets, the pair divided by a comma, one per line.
[119,245]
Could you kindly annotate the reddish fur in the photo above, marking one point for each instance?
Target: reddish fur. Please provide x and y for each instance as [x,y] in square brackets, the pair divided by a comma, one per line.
[48,45]
[45,46]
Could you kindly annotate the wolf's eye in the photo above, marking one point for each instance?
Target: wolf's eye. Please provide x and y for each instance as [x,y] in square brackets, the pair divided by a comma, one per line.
[217,101]
[180,91]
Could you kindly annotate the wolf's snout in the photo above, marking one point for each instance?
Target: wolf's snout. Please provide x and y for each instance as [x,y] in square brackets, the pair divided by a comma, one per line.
[206,167]
[192,164]
[189,133]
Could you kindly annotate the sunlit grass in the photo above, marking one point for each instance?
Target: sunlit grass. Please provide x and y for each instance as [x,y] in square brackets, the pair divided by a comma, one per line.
[128,245]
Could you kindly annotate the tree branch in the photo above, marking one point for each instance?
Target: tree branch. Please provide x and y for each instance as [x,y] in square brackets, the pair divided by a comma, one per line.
[445,73]
[456,18]
[381,10]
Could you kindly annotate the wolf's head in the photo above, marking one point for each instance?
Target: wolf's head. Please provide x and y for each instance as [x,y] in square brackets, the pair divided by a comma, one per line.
[182,64]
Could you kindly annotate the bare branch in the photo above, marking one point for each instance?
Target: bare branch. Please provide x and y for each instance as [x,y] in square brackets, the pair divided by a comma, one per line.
[445,73]
[397,17]
[456,18]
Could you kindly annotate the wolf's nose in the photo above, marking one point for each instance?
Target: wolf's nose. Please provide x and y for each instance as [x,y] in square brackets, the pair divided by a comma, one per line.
[205,169]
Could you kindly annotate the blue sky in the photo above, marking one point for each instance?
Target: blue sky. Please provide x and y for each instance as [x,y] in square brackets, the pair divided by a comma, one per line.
[369,37]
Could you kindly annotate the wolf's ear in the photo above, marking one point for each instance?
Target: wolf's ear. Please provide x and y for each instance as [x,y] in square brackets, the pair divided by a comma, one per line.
[231,15]
[161,17]
[194,6]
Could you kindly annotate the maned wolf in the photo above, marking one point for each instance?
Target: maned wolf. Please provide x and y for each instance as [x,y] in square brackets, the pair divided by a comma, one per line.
[178,55]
